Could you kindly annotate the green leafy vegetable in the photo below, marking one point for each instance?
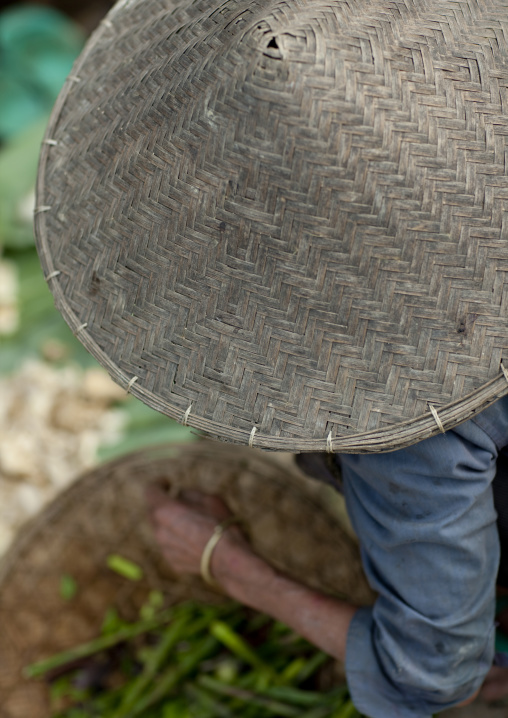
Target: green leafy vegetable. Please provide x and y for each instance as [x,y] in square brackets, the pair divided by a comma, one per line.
[193,661]
[68,587]
[124,567]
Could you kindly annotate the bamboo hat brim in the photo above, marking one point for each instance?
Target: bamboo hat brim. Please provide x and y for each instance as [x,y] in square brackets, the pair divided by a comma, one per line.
[284,223]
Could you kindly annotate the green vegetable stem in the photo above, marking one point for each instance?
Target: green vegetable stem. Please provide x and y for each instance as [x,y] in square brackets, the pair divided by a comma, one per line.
[124,567]
[98,644]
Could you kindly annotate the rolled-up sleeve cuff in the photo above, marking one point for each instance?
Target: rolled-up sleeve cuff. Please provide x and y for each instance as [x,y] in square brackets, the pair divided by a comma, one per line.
[373,693]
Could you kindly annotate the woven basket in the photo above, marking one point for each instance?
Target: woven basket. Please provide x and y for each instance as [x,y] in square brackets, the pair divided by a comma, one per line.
[290,521]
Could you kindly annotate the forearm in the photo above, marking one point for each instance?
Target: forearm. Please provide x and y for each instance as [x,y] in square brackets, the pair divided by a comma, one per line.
[324,621]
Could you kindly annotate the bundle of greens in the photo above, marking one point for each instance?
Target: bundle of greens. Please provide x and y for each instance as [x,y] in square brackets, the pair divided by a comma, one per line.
[191,660]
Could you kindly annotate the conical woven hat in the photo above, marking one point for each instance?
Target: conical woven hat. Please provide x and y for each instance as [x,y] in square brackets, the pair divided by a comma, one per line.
[285,222]
[290,523]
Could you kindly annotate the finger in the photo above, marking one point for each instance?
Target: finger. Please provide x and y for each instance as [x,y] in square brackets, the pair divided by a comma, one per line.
[158,499]
[173,515]
[165,538]
[193,497]
[218,508]
[210,504]
[155,495]
[170,515]
[206,504]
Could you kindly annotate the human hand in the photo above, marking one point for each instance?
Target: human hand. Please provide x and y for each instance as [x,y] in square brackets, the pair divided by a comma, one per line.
[184,526]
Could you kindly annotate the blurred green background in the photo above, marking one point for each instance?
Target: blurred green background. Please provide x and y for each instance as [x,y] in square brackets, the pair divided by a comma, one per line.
[38,45]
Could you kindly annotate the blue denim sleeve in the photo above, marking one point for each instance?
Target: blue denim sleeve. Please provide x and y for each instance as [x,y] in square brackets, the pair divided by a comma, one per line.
[427,527]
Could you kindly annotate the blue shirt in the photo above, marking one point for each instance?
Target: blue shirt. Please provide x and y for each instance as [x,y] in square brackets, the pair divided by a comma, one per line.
[427,526]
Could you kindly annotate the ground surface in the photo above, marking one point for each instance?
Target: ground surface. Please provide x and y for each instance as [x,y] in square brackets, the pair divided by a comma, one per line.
[52,421]
[478,709]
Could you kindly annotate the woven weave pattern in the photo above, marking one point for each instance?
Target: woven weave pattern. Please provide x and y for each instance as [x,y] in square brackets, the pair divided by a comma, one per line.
[103,513]
[288,218]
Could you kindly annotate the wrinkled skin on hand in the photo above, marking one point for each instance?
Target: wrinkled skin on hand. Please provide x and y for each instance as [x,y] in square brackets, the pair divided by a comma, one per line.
[184,526]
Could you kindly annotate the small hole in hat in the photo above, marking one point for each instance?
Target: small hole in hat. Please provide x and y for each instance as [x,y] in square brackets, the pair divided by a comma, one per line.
[272,50]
